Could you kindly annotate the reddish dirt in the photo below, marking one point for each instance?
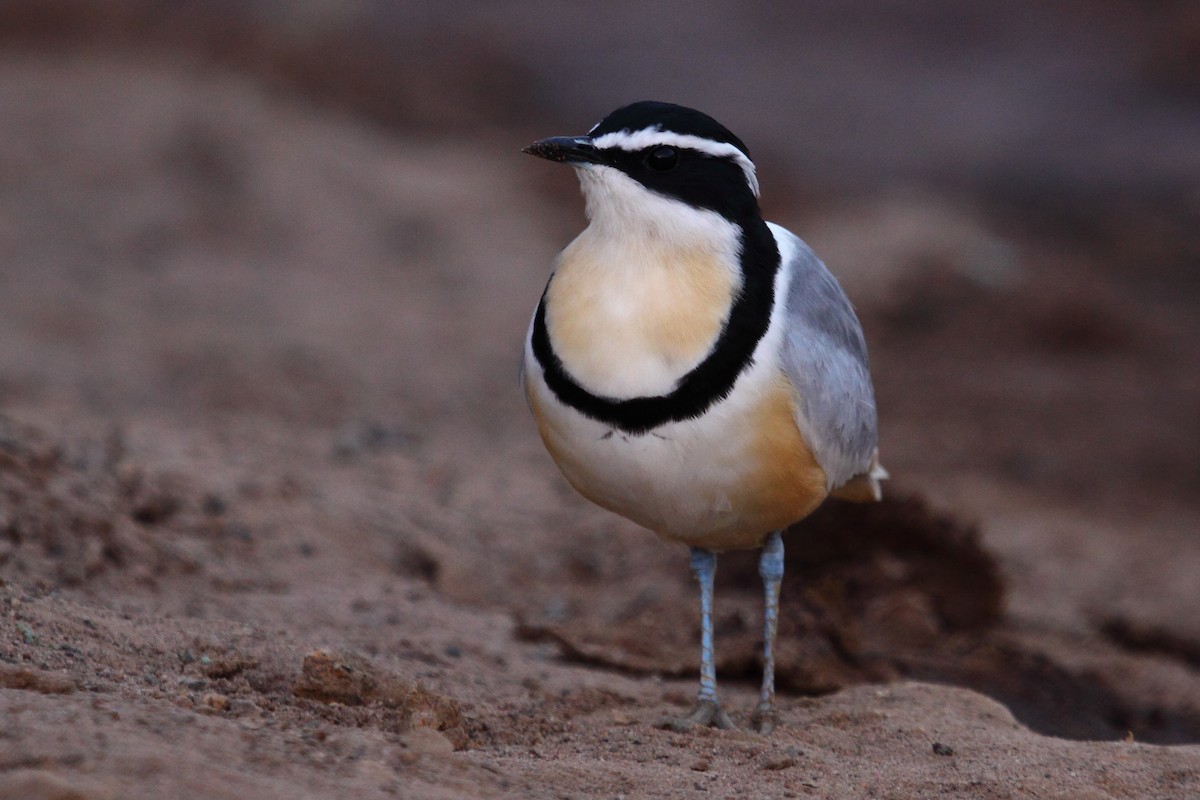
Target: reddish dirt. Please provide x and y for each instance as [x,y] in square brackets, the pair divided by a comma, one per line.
[274,523]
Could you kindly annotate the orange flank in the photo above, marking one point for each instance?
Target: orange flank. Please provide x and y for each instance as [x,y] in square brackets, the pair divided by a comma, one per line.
[784,483]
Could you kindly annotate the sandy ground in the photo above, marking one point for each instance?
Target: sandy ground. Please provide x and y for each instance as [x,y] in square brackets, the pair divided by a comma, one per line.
[274,523]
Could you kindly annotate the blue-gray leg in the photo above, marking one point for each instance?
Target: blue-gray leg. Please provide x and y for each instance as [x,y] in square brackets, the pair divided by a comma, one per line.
[708,708]
[704,566]
[770,568]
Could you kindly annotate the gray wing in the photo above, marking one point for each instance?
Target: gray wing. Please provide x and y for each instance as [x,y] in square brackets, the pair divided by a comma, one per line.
[825,357]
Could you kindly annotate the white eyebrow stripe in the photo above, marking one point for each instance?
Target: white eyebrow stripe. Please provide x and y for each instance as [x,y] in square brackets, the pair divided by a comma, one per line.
[649,137]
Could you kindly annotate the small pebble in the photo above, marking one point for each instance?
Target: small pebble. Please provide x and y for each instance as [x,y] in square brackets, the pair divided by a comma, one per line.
[213,505]
[778,762]
[942,749]
[217,702]
[27,634]
[701,765]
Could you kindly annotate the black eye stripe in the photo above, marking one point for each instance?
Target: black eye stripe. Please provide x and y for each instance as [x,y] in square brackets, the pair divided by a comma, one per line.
[715,182]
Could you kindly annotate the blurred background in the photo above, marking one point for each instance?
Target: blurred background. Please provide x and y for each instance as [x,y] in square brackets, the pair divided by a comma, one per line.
[297,238]
[1031,98]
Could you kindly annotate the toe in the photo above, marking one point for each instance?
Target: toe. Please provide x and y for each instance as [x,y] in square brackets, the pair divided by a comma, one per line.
[722,721]
[763,719]
[705,713]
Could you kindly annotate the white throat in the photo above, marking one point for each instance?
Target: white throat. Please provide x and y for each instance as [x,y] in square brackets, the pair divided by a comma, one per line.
[626,213]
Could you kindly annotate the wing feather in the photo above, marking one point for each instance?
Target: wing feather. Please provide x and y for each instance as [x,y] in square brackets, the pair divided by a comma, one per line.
[825,358]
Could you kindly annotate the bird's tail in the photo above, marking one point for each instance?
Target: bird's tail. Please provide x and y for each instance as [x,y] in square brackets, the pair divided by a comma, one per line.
[865,487]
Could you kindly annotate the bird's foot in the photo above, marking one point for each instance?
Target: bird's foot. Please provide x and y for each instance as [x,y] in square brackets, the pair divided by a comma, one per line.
[763,719]
[707,712]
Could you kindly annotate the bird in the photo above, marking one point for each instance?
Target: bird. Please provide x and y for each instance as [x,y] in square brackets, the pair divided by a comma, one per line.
[694,368]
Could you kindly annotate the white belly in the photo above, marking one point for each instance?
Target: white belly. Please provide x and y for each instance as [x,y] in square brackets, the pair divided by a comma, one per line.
[721,481]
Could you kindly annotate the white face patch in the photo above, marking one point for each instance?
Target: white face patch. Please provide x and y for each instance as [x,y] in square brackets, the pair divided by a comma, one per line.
[633,141]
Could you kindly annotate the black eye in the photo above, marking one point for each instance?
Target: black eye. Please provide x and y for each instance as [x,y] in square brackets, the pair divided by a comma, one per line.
[662,158]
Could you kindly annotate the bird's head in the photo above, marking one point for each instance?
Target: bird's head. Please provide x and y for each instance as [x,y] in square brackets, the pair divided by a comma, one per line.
[657,164]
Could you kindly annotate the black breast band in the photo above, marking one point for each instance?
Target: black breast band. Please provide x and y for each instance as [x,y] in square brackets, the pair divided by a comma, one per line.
[708,382]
